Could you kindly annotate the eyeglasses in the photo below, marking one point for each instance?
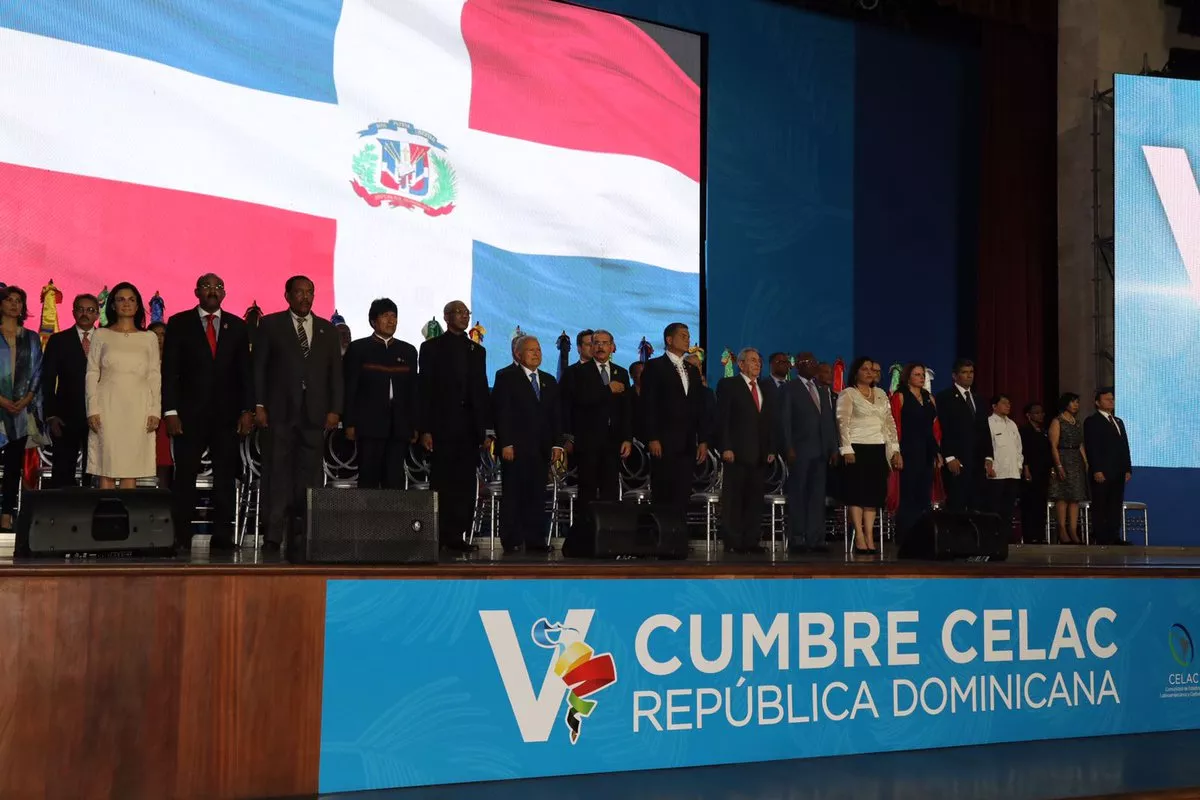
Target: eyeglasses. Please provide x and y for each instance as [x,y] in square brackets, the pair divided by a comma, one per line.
[220,287]
[87,310]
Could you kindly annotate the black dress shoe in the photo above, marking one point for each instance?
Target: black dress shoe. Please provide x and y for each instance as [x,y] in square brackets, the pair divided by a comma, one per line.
[798,548]
[755,549]
[819,548]
[512,549]
[459,546]
[733,551]
[222,545]
[271,547]
[538,548]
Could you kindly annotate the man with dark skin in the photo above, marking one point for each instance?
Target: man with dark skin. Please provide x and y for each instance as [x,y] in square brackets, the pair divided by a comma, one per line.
[809,433]
[208,397]
[455,412]
[299,389]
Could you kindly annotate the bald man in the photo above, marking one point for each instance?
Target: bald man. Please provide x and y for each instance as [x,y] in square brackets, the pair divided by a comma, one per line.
[453,421]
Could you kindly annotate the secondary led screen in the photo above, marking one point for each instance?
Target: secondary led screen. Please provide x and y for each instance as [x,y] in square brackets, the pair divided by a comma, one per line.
[538,160]
[1157,265]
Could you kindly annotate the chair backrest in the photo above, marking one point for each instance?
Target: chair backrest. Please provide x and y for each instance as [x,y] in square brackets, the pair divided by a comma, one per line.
[635,470]
[708,474]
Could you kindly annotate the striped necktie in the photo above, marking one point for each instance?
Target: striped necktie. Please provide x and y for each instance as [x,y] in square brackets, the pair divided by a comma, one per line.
[303,337]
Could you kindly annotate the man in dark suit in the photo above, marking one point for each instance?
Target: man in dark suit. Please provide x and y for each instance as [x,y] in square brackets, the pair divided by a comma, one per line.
[966,441]
[598,420]
[208,402]
[809,430]
[673,398]
[64,375]
[1035,446]
[780,369]
[454,421]
[1110,466]
[298,385]
[381,399]
[745,426]
[526,409]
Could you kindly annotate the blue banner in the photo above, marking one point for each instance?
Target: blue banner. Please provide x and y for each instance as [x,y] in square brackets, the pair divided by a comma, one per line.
[448,681]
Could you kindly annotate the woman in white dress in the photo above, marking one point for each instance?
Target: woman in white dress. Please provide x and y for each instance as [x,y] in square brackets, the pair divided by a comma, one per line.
[124,393]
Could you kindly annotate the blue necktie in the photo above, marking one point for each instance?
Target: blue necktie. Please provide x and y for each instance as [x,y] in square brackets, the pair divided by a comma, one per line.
[537,387]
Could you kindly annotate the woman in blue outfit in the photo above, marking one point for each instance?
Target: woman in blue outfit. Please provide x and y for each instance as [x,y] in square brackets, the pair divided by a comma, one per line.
[20,394]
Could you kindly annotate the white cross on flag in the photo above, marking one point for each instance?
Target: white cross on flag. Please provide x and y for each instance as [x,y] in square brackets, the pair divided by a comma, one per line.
[538,160]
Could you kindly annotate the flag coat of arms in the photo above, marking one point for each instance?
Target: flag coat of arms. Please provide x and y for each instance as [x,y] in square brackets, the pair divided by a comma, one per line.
[540,160]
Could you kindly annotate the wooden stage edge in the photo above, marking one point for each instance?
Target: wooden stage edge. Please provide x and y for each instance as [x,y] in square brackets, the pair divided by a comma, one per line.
[1122,564]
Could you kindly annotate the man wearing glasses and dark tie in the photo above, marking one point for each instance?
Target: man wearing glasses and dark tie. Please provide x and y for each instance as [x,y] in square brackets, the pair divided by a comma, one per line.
[298,387]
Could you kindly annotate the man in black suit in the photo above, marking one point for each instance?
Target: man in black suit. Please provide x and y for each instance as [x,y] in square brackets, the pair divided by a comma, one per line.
[966,441]
[809,429]
[454,421]
[780,369]
[208,402]
[381,399]
[1110,467]
[673,397]
[745,425]
[1035,445]
[598,420]
[64,374]
[298,385]
[526,409]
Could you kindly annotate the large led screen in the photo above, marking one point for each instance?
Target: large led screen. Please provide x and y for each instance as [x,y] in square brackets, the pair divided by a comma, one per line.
[539,160]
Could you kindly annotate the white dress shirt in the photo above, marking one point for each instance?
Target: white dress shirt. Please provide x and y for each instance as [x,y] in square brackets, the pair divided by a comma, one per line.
[307,322]
[863,421]
[755,392]
[80,332]
[681,368]
[1007,454]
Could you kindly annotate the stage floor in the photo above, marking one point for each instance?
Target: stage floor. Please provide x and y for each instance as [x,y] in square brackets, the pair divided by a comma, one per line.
[1024,561]
[1160,765]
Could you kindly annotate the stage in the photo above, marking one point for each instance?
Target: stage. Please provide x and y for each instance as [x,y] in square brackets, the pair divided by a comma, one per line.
[223,675]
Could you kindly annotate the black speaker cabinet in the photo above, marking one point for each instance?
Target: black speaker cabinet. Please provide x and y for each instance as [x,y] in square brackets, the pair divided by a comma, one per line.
[628,530]
[368,526]
[946,536]
[95,522]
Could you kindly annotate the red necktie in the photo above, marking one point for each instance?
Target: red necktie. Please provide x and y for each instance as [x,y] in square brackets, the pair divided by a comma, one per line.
[87,342]
[754,394]
[211,333]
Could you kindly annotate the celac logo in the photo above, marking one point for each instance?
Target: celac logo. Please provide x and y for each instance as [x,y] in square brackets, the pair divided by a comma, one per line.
[399,165]
[1180,642]
[574,672]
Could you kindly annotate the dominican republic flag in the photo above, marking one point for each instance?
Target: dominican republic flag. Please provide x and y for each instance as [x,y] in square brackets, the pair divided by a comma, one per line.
[539,160]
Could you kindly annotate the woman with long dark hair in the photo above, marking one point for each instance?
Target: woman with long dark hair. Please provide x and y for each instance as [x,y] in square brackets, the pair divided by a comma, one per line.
[868,445]
[124,392]
[916,416]
[20,394]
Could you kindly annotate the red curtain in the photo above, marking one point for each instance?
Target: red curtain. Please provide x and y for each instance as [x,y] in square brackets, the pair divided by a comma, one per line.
[1016,331]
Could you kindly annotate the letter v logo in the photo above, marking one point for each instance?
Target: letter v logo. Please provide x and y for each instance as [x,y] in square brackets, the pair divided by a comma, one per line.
[1176,185]
[535,715]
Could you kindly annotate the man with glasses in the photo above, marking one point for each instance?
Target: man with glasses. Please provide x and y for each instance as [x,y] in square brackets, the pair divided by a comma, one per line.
[64,374]
[208,402]
[454,420]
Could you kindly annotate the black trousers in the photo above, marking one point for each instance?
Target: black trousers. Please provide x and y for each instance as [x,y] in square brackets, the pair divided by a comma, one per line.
[221,442]
[1108,499]
[453,475]
[381,462]
[292,464]
[598,466]
[742,504]
[13,459]
[1002,496]
[1033,509]
[963,491]
[523,502]
[671,479]
[66,455]
[806,501]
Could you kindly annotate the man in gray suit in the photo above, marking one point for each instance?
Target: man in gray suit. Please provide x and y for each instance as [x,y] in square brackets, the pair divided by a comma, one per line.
[811,442]
[298,386]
